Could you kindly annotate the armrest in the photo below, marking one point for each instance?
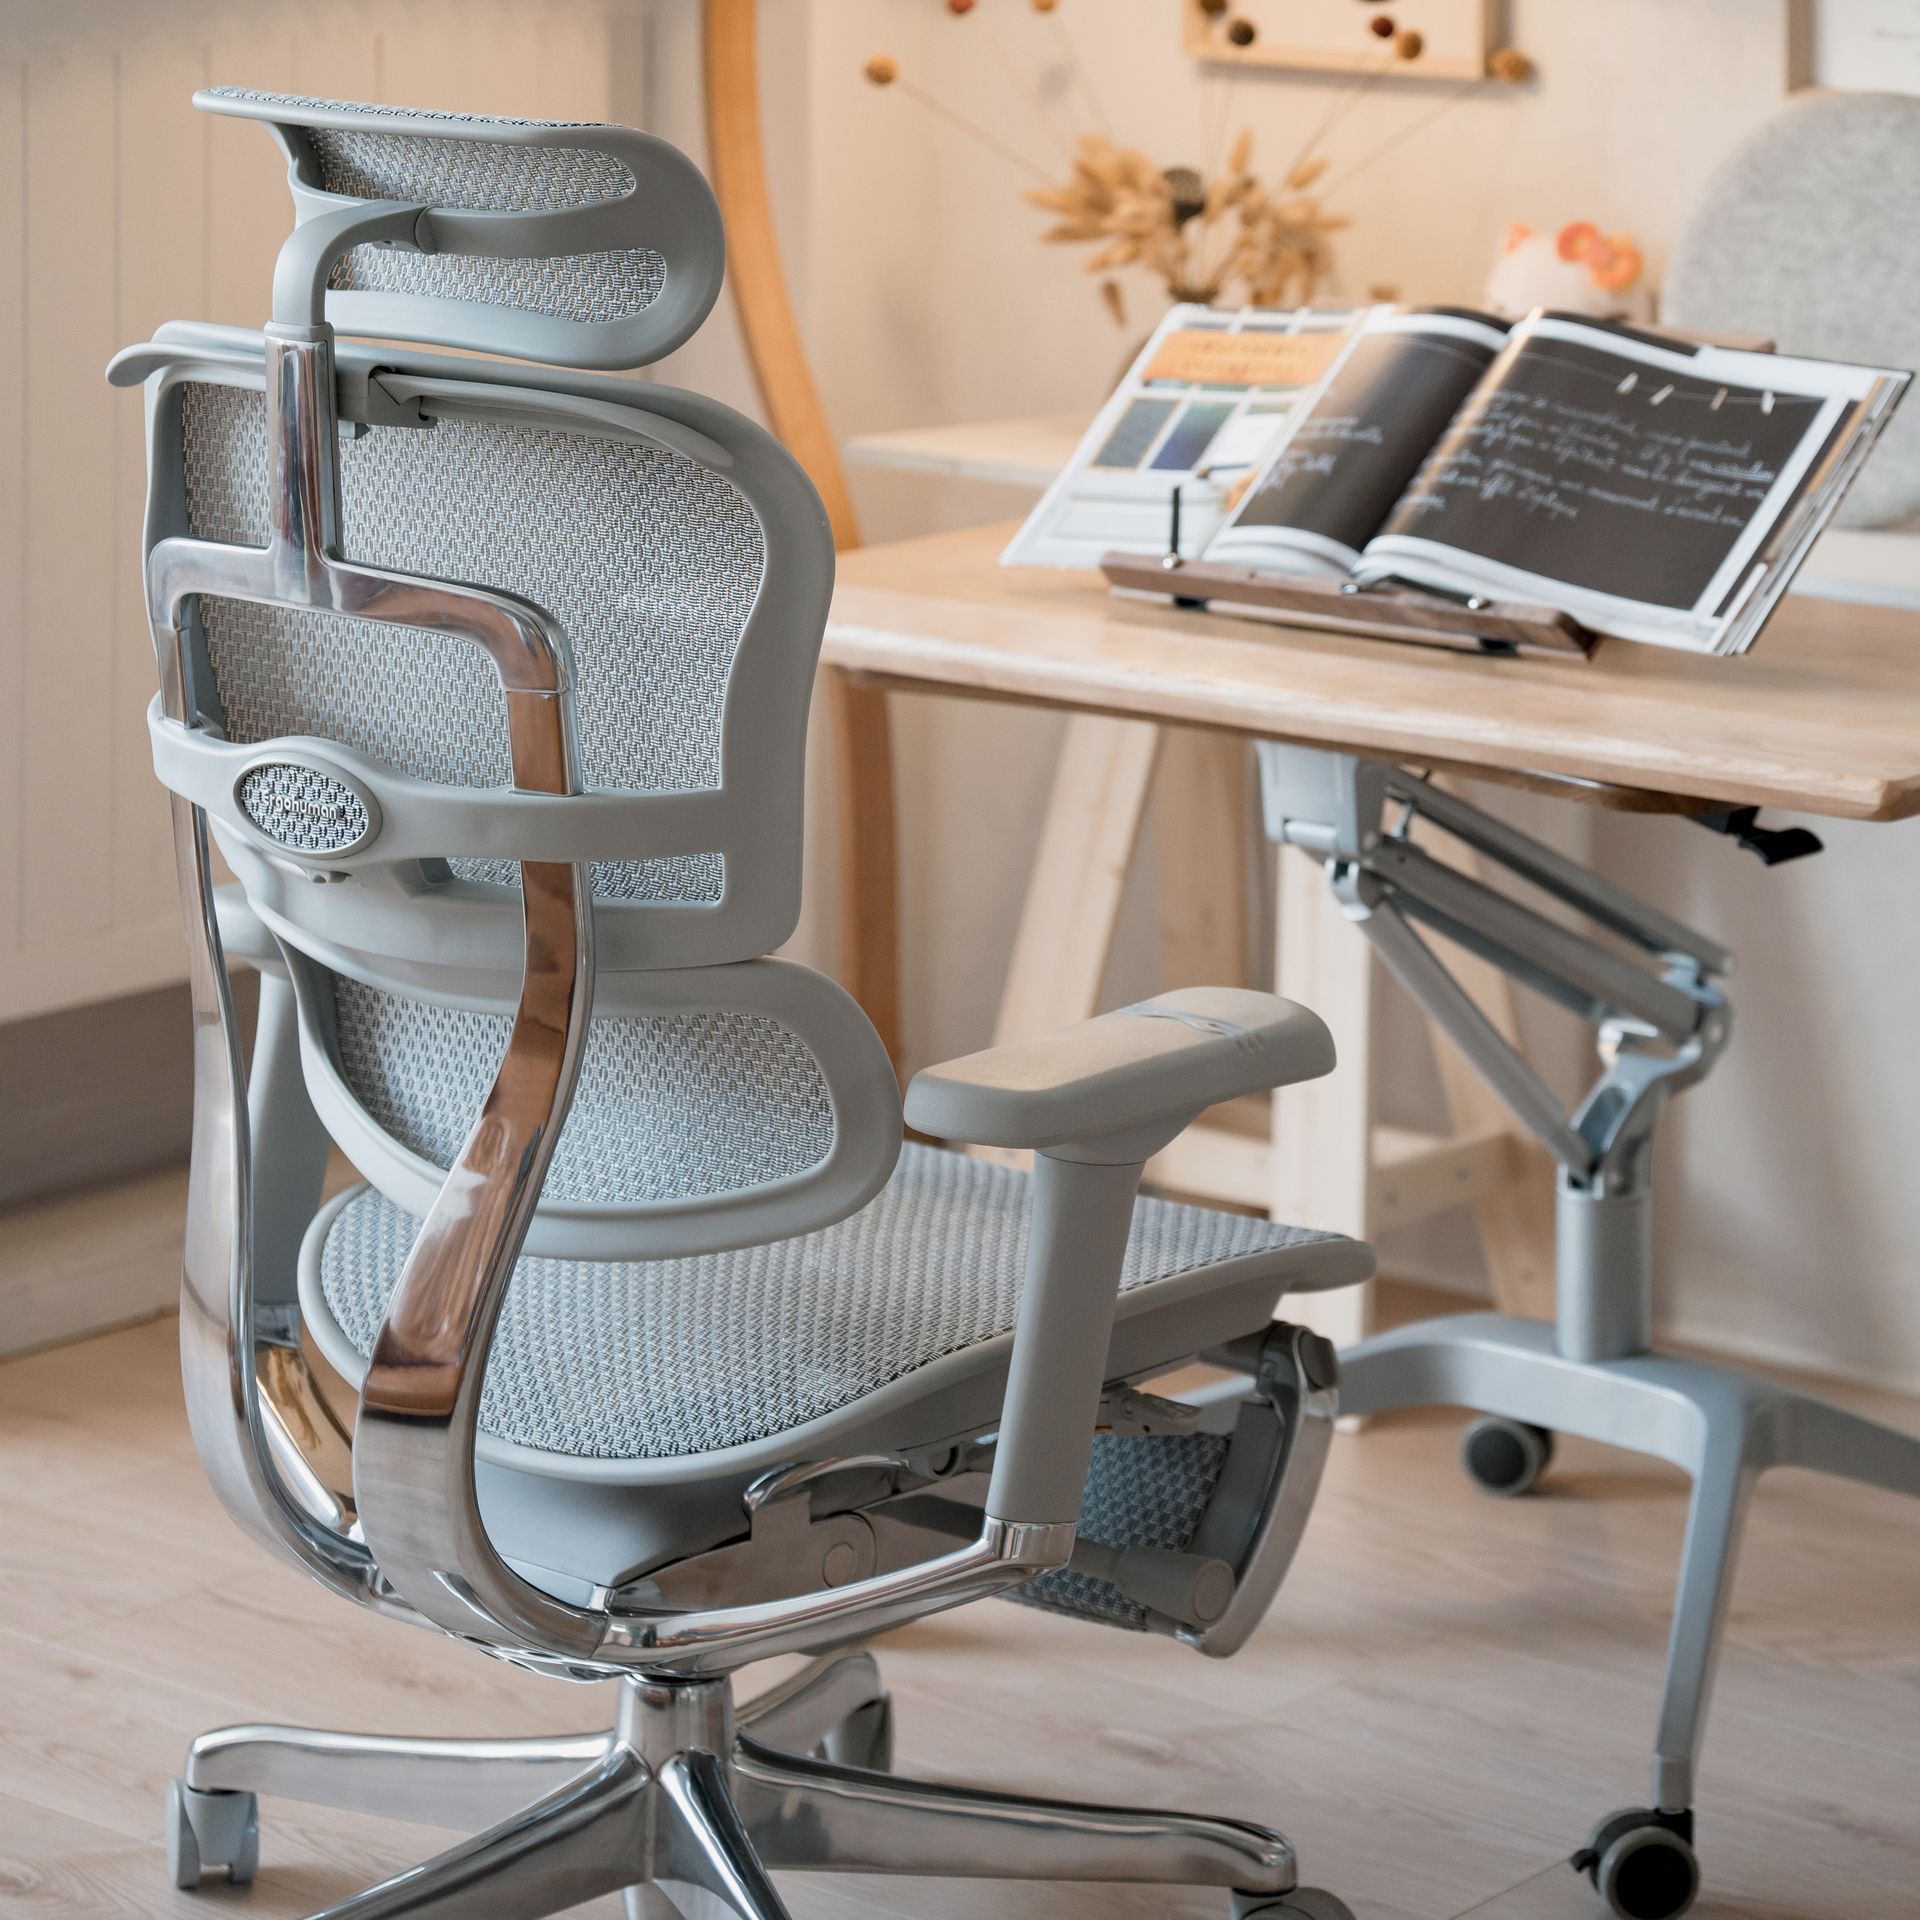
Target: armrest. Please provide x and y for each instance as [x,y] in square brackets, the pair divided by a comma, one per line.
[1155,1063]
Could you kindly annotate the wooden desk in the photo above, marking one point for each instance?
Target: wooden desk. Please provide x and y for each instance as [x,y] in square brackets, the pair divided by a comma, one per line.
[1823,718]
[1024,453]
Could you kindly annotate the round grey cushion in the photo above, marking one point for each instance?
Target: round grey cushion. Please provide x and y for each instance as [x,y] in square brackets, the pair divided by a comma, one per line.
[1805,235]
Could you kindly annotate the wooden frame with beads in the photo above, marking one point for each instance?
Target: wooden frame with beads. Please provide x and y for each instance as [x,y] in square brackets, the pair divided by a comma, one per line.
[1339,36]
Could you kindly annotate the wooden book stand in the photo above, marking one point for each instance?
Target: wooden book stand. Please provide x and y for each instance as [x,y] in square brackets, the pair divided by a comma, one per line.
[1379,613]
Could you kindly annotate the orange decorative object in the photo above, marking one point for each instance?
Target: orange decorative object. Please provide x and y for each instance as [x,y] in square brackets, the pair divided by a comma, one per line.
[1577,239]
[883,69]
[1618,263]
[1518,233]
[1509,64]
[959,6]
[1410,45]
[1045,6]
[1611,259]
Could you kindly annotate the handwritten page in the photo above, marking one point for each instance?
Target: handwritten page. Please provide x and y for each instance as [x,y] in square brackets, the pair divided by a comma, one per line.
[1348,458]
[1573,464]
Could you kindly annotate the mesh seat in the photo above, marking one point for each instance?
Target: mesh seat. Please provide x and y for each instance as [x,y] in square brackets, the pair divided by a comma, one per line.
[634,1361]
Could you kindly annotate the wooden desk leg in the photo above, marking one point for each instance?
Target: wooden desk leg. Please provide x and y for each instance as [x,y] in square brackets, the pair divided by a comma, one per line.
[1080,869]
[1203,820]
[869,857]
[1515,1215]
[1087,840]
[1331,1164]
[1323,1130]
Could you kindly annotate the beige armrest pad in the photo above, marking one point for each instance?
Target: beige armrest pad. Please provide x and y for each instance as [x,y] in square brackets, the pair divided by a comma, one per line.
[1154,1061]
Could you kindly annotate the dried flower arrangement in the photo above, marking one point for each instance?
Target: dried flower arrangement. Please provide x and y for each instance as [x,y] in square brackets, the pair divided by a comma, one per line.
[1200,238]
[1216,235]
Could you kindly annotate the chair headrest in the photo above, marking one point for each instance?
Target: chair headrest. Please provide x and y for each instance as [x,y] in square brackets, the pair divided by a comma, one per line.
[576,245]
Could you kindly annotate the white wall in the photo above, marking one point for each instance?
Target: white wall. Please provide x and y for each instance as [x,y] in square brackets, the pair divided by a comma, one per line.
[1789,1219]
[1789,1223]
[929,299]
[121,207]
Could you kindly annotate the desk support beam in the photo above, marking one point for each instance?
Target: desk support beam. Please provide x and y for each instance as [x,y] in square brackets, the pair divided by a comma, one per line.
[1661,1026]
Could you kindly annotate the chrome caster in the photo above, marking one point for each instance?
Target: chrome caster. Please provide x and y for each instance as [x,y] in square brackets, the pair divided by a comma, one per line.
[1303,1903]
[211,1829]
[1506,1457]
[864,1738]
[1643,1863]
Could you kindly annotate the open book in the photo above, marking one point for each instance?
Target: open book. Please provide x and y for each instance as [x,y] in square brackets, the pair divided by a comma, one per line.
[1649,487]
[1195,414]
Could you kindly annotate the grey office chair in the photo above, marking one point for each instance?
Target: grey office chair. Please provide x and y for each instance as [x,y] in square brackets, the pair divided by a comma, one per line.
[646,1351]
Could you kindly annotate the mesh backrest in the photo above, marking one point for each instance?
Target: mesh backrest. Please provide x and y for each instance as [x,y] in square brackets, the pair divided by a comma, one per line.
[650,563]
[668,1107]
[480,175]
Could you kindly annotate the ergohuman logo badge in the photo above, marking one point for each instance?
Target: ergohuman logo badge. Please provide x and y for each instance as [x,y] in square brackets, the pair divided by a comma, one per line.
[302,809]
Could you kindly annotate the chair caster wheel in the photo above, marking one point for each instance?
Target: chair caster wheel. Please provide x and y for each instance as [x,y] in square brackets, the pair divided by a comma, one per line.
[1303,1903]
[864,1738]
[211,1829]
[1643,1863]
[1506,1457]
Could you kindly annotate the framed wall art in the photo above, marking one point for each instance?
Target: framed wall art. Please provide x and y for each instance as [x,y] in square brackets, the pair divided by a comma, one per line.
[1858,45]
[1426,39]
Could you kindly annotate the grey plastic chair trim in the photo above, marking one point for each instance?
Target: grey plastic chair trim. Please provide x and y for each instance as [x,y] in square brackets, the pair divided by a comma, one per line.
[1141,1067]
[953,1398]
[753,821]
[422,819]
[670,209]
[849,1054]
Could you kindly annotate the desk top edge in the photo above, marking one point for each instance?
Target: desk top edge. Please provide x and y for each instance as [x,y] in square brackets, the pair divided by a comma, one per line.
[1837,735]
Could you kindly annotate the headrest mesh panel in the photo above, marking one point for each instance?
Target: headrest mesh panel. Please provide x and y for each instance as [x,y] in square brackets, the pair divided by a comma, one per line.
[489,175]
[266,97]
[667,1107]
[650,563]
[482,176]
[572,286]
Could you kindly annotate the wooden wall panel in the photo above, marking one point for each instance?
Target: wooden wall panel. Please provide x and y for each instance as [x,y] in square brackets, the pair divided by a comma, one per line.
[162,255]
[121,207]
[246,179]
[13,483]
[66,758]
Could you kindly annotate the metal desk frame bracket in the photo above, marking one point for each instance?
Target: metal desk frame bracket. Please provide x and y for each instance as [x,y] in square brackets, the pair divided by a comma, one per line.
[1662,1022]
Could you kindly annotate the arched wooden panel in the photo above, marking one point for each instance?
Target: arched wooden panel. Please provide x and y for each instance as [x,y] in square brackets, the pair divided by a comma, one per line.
[862,734]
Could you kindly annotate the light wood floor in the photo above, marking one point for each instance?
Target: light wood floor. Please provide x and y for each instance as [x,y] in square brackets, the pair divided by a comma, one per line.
[1447,1692]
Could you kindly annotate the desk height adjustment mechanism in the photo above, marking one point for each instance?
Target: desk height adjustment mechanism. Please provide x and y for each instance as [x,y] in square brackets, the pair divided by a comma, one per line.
[1661,1023]
[1647,984]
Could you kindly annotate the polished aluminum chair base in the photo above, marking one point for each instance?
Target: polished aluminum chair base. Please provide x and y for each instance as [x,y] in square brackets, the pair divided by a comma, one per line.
[684,1807]
[1722,1428]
